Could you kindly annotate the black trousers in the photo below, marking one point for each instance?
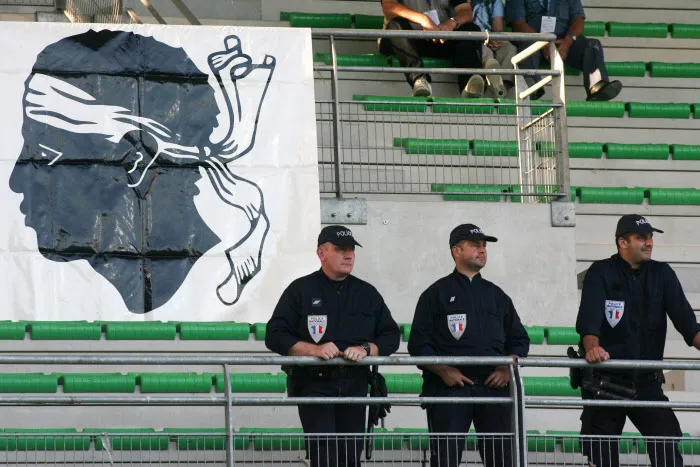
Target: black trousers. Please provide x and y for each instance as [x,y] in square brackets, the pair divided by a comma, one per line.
[464,54]
[446,451]
[328,451]
[649,421]
[584,54]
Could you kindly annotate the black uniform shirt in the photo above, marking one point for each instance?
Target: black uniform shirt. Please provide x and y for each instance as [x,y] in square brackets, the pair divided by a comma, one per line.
[612,302]
[354,311]
[490,326]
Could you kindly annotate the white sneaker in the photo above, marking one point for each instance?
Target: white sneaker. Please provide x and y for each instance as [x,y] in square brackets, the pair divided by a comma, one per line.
[474,88]
[421,88]
[495,82]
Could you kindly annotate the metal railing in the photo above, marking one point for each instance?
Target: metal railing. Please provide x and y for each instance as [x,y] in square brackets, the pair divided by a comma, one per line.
[478,149]
[229,446]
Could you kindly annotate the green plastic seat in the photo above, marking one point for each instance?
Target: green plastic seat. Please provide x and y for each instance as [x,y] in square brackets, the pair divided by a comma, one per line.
[637,151]
[673,196]
[394,104]
[457,192]
[214,331]
[149,330]
[571,443]
[404,383]
[633,69]
[611,195]
[674,70]
[451,147]
[264,440]
[685,31]
[368,22]
[552,386]
[685,152]
[594,28]
[97,382]
[64,330]
[415,441]
[652,30]
[384,442]
[663,110]
[10,330]
[689,446]
[595,109]
[175,382]
[558,335]
[574,193]
[129,439]
[28,383]
[405,329]
[576,150]
[464,106]
[253,382]
[198,439]
[536,334]
[258,330]
[353,60]
[539,443]
[538,189]
[482,147]
[320,20]
[41,439]
[696,110]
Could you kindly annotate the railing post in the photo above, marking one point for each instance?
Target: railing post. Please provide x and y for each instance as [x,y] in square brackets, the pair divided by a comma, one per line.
[561,140]
[229,419]
[336,120]
[515,420]
[518,391]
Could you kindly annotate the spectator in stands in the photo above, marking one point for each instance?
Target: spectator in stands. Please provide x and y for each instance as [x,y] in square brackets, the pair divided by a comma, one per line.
[565,18]
[331,313]
[463,315]
[624,304]
[488,15]
[432,15]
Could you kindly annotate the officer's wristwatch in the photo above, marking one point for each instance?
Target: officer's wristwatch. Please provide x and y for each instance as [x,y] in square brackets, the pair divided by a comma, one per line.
[367,348]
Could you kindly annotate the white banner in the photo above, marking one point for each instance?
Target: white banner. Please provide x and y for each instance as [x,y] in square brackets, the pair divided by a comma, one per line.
[155,172]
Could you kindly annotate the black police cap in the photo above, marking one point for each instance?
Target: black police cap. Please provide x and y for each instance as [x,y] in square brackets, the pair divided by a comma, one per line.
[634,223]
[468,232]
[337,235]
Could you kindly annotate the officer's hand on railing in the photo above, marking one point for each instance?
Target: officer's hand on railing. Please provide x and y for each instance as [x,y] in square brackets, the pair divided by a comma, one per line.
[452,377]
[597,354]
[499,378]
[354,354]
[327,351]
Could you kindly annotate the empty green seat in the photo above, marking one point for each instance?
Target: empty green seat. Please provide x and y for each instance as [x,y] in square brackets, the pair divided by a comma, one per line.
[384,441]
[258,330]
[637,151]
[462,106]
[41,439]
[369,22]
[482,147]
[536,334]
[570,443]
[574,193]
[676,196]
[674,70]
[557,335]
[28,383]
[451,147]
[635,69]
[98,382]
[150,330]
[393,104]
[655,30]
[65,330]
[320,20]
[404,383]
[129,439]
[214,331]
[264,440]
[458,192]
[685,31]
[611,195]
[405,329]
[555,386]
[685,152]
[253,382]
[537,189]
[696,110]
[594,28]
[175,382]
[689,446]
[664,110]
[198,439]
[576,150]
[414,438]
[353,60]
[595,109]
[12,330]
[539,443]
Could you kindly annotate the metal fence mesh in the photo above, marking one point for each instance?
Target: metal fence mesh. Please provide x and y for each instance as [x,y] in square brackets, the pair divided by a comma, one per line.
[95,11]
[461,150]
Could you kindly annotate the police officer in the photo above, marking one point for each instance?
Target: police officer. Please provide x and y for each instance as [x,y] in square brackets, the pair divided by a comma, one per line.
[624,304]
[331,313]
[463,314]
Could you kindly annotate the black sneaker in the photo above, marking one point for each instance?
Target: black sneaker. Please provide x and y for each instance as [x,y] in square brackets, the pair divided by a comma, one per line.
[605,92]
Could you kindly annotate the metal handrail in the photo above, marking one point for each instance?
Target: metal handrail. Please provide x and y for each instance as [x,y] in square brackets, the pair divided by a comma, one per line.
[452,35]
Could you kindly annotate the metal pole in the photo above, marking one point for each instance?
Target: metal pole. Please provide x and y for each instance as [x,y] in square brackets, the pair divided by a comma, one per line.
[515,421]
[186,12]
[229,418]
[336,120]
[561,140]
[451,35]
[153,11]
[522,433]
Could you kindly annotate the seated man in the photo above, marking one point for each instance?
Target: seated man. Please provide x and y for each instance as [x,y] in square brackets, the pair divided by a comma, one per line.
[564,18]
[432,15]
[488,15]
